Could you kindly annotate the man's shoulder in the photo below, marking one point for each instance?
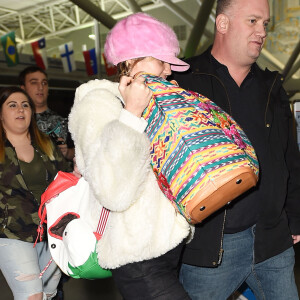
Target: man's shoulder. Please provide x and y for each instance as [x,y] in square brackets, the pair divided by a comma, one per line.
[197,63]
[201,58]
[49,114]
[53,113]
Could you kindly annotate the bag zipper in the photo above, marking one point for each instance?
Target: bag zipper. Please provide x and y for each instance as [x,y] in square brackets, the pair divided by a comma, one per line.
[221,251]
[269,97]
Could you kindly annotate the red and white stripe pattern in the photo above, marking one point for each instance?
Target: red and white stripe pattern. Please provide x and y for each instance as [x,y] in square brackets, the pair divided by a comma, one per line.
[102,223]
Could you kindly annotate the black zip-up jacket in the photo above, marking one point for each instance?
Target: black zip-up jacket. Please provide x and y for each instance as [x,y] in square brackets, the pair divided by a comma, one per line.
[279,217]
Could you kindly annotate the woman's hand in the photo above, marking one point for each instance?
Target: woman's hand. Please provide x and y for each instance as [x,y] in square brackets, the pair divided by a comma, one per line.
[135,93]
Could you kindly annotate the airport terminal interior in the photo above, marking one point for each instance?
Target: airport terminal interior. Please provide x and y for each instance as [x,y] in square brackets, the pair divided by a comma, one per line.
[85,23]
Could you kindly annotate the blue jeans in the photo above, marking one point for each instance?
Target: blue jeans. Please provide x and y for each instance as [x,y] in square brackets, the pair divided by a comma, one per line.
[272,279]
[21,265]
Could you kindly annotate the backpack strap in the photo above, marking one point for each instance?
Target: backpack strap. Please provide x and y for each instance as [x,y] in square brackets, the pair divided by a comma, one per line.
[102,223]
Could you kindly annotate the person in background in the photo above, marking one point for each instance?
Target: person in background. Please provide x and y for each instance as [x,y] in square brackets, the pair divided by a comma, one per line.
[144,236]
[251,239]
[29,161]
[34,81]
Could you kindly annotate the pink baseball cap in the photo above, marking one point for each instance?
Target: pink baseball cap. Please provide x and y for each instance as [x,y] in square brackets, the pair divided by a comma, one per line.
[140,35]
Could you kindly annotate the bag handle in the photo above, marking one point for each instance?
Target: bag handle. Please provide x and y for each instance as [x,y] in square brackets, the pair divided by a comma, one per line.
[66,181]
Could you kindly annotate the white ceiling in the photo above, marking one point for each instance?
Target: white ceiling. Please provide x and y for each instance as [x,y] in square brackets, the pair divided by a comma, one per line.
[43,18]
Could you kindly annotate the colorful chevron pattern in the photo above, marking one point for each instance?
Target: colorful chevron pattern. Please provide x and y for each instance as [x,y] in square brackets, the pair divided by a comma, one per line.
[193,141]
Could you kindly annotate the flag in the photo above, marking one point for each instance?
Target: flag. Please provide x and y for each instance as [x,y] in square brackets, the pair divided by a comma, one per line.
[39,53]
[10,50]
[90,61]
[109,68]
[67,57]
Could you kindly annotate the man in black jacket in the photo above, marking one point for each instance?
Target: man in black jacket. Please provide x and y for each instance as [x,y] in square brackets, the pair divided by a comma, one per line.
[251,239]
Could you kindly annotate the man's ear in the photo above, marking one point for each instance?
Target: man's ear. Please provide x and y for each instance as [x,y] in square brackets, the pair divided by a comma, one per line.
[22,87]
[222,23]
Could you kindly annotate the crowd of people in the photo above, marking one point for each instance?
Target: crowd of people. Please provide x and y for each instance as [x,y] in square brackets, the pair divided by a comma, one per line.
[35,144]
[152,251]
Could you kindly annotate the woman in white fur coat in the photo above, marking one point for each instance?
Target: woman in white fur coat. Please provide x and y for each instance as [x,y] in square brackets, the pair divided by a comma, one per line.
[145,235]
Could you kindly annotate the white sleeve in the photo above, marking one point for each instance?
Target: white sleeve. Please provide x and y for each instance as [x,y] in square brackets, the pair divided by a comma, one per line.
[120,166]
[139,124]
[111,150]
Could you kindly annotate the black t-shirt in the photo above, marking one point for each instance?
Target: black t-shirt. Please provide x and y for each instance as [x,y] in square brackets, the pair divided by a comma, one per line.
[248,104]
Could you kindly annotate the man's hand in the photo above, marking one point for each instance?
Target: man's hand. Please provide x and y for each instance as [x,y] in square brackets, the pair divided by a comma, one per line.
[62,146]
[296,239]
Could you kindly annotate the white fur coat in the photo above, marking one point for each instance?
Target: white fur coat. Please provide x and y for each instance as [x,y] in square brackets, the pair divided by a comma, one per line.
[112,153]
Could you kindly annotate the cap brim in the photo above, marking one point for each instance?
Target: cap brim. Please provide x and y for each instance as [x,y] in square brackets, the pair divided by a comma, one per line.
[180,68]
[177,64]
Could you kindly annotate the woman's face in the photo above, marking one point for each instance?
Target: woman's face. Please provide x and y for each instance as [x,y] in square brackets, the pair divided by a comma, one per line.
[151,65]
[16,114]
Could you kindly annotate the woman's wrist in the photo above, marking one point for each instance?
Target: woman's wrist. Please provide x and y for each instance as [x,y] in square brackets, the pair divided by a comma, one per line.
[133,110]
[131,120]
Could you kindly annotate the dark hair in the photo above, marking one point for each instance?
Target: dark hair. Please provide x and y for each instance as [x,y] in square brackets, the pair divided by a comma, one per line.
[7,91]
[223,5]
[41,139]
[29,70]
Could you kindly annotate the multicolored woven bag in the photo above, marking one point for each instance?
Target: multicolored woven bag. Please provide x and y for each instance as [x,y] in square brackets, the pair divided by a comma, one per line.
[201,157]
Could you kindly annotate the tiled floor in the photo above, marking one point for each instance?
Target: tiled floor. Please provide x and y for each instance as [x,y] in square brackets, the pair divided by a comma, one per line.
[80,289]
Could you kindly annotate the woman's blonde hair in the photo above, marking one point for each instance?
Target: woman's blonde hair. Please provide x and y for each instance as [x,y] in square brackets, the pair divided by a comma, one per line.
[124,68]
[41,140]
